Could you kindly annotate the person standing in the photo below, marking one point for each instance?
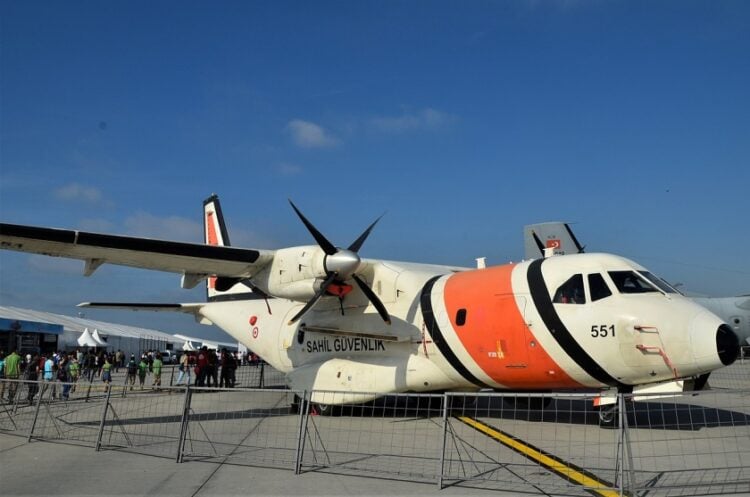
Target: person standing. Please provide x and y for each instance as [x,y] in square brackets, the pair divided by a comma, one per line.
[201,367]
[12,372]
[224,375]
[156,370]
[31,374]
[2,375]
[74,370]
[63,375]
[184,369]
[132,371]
[213,368]
[49,375]
[142,370]
[106,373]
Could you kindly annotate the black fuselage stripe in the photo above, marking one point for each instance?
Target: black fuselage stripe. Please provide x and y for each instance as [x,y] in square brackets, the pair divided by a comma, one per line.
[438,338]
[543,304]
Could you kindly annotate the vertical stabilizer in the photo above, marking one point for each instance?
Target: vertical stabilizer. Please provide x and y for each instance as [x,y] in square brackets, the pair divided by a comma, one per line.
[543,238]
[215,233]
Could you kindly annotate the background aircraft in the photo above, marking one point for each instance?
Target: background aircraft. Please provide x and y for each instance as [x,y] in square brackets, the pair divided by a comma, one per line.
[363,328]
[559,238]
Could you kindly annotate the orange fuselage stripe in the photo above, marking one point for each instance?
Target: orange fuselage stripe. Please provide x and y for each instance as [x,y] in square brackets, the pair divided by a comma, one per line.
[495,332]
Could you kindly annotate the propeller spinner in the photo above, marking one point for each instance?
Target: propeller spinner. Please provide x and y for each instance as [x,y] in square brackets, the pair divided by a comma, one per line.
[340,265]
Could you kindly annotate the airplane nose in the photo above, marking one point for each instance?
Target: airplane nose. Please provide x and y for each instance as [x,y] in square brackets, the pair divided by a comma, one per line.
[727,344]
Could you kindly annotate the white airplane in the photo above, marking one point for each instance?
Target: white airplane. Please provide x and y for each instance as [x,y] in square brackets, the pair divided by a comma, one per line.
[364,328]
[559,238]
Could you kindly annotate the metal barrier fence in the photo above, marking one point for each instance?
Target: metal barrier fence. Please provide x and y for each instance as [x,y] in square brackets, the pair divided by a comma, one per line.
[686,444]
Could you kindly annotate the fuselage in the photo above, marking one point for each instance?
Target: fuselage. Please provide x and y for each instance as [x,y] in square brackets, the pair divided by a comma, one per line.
[565,322]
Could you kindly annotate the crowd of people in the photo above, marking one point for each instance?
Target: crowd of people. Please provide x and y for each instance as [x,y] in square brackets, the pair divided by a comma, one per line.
[63,370]
[212,369]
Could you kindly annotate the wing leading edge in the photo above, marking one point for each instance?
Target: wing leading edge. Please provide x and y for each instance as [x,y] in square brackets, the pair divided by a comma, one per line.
[194,261]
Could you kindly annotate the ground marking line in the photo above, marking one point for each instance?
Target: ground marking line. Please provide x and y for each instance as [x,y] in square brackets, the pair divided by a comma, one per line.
[549,461]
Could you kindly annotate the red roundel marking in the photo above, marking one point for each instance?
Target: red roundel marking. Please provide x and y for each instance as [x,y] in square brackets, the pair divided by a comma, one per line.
[495,333]
[256,331]
[253,320]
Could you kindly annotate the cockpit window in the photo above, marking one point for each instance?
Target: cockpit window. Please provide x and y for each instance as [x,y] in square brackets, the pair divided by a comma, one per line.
[571,292]
[660,283]
[631,282]
[598,288]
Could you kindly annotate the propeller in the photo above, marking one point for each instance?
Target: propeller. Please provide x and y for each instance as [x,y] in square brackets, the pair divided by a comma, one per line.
[340,265]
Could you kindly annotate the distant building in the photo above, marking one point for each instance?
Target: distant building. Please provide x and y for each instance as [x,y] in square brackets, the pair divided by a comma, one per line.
[31,331]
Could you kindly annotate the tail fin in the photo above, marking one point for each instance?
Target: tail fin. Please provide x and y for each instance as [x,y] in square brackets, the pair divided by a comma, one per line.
[557,236]
[215,233]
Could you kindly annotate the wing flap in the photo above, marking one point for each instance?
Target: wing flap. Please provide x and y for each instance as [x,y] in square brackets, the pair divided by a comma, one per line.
[146,253]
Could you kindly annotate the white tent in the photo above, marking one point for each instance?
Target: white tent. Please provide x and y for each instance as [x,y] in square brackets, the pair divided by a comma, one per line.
[188,346]
[86,340]
[99,339]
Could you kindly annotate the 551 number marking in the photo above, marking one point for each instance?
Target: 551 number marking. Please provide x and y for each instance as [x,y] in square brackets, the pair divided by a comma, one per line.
[602,330]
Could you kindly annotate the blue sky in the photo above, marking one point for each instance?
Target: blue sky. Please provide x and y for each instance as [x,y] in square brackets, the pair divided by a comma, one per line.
[464,121]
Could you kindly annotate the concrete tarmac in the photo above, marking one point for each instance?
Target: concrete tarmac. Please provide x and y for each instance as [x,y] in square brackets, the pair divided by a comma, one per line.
[61,469]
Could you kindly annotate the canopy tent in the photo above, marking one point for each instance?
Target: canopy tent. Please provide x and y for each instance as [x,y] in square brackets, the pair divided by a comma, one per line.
[95,336]
[86,340]
[188,346]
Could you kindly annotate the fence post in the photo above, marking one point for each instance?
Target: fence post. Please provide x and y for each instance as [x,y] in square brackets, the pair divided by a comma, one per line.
[17,394]
[260,380]
[184,424]
[446,399]
[103,420]
[304,412]
[627,454]
[38,405]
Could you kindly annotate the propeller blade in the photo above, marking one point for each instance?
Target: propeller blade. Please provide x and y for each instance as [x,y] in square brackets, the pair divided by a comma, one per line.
[327,246]
[373,298]
[315,298]
[357,244]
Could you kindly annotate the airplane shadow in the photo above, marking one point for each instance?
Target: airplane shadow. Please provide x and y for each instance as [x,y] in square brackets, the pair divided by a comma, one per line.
[640,415]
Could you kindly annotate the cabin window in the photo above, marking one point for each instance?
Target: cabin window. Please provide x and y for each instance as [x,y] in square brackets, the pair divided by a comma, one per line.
[461,317]
[598,288]
[571,292]
[631,282]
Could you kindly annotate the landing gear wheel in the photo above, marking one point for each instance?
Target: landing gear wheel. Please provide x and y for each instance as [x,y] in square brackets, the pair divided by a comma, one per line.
[326,409]
[608,415]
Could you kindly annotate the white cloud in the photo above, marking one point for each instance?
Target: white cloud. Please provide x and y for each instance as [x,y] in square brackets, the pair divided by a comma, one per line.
[79,193]
[288,169]
[310,135]
[165,228]
[410,121]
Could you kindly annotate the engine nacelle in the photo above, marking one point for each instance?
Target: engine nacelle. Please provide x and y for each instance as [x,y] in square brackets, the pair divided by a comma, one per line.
[296,273]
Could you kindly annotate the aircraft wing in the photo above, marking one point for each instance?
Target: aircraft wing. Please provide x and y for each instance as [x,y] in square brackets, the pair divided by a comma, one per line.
[193,260]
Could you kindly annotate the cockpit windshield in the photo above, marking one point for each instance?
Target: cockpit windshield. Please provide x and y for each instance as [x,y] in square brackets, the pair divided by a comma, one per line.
[571,292]
[660,283]
[631,282]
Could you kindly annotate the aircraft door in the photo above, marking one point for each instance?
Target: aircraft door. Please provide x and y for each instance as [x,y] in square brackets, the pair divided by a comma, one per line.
[510,333]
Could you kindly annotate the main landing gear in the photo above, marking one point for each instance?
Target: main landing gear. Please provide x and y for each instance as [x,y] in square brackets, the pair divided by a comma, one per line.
[608,415]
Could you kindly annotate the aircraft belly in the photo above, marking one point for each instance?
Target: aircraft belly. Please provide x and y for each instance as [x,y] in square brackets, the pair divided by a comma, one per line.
[339,380]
